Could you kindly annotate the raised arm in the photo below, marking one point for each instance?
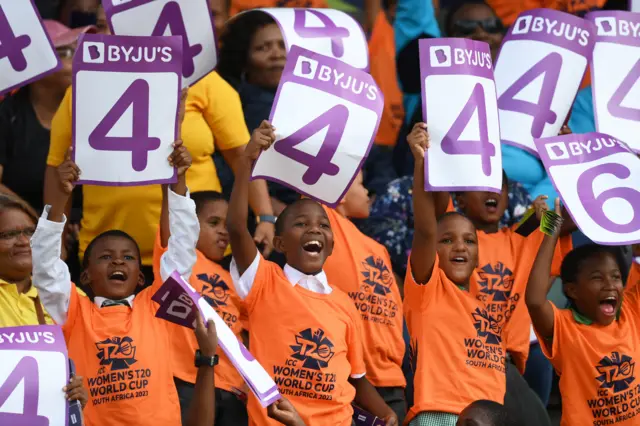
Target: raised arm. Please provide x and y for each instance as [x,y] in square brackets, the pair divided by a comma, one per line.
[202,408]
[540,308]
[423,249]
[50,274]
[242,243]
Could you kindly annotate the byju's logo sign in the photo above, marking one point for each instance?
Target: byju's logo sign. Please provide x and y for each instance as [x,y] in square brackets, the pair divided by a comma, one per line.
[306,68]
[313,348]
[606,26]
[522,25]
[557,151]
[487,327]
[440,56]
[616,372]
[93,52]
[117,352]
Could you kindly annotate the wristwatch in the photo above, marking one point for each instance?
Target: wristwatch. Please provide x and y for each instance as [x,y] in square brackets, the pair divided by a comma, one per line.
[267,218]
[205,361]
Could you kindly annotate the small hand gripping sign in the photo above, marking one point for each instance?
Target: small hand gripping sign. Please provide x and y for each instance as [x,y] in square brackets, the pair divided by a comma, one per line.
[598,179]
[180,304]
[328,32]
[326,114]
[191,19]
[126,94]
[615,75]
[459,106]
[26,52]
[33,371]
[538,73]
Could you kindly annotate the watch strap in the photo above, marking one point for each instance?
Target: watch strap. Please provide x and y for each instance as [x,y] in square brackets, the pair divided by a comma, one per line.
[267,218]
[205,361]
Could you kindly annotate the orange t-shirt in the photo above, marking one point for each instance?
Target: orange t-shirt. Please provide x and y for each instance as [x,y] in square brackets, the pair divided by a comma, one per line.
[215,285]
[596,367]
[458,355]
[633,280]
[121,352]
[382,64]
[505,259]
[508,10]
[238,6]
[361,267]
[309,342]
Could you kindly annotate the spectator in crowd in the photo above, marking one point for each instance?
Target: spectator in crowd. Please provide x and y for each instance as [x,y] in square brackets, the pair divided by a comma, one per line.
[634,273]
[509,10]
[238,6]
[25,121]
[485,413]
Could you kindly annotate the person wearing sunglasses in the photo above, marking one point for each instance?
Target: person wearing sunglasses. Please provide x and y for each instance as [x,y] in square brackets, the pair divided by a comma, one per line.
[475,20]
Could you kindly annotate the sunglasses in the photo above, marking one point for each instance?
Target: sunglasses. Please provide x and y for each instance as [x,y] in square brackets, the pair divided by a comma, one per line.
[468,27]
[15,234]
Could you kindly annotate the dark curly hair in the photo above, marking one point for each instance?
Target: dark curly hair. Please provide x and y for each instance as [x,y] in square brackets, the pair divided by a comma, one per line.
[235,42]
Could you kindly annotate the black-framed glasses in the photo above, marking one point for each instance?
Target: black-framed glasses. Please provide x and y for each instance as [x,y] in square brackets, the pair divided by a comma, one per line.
[16,233]
[468,27]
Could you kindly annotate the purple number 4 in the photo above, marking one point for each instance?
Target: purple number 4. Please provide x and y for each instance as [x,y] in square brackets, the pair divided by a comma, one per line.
[27,370]
[11,47]
[336,119]
[140,143]
[615,103]
[451,143]
[328,30]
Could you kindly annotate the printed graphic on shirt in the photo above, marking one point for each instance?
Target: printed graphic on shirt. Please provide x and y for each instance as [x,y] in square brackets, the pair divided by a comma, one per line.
[374,300]
[216,292]
[303,373]
[485,350]
[619,394]
[495,284]
[117,378]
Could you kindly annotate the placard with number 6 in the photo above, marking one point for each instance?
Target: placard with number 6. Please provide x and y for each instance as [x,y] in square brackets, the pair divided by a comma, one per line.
[325,31]
[181,304]
[191,19]
[26,52]
[598,178]
[33,371]
[538,73]
[615,75]
[125,103]
[459,106]
[326,114]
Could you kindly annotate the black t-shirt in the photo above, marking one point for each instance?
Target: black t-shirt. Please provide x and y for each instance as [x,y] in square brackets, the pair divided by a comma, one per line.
[24,146]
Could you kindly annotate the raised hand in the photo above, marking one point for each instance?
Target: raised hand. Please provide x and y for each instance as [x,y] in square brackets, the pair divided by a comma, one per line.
[68,173]
[180,158]
[75,391]
[419,141]
[540,205]
[207,337]
[261,139]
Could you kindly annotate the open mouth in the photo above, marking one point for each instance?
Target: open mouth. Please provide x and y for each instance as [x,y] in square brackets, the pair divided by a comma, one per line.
[118,276]
[459,260]
[491,203]
[222,243]
[608,305]
[313,247]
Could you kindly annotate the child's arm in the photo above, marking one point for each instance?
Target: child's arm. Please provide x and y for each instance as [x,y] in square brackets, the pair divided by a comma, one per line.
[540,309]
[423,249]
[50,274]
[284,412]
[76,391]
[202,408]
[369,399]
[242,243]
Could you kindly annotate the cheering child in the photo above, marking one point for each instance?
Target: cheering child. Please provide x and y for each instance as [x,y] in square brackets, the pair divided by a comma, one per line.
[452,334]
[594,343]
[306,334]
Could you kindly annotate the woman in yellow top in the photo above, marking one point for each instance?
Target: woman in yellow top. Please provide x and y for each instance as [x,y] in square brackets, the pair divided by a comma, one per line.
[213,119]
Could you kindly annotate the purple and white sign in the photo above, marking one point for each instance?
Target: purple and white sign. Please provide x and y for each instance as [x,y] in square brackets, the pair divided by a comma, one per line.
[615,75]
[459,105]
[180,304]
[542,62]
[326,114]
[328,32]
[191,19]
[126,94]
[26,52]
[635,5]
[364,418]
[33,371]
[598,179]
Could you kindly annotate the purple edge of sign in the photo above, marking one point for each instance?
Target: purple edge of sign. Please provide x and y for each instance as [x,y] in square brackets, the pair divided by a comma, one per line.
[542,141]
[305,193]
[172,179]
[196,297]
[43,74]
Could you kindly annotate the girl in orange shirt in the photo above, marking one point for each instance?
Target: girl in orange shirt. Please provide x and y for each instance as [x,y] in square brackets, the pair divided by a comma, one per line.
[593,344]
[452,333]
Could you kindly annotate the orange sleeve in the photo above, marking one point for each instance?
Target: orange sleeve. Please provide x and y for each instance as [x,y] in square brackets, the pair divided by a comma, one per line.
[72,313]
[632,290]
[61,128]
[355,345]
[551,349]
[263,280]
[416,296]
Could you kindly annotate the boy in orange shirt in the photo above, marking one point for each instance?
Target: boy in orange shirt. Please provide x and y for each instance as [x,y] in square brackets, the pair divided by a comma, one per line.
[115,340]
[361,267]
[215,285]
[594,344]
[304,333]
[453,335]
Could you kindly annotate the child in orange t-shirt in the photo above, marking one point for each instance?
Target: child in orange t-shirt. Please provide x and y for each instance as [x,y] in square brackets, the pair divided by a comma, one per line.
[115,340]
[595,343]
[215,285]
[457,348]
[361,267]
[304,333]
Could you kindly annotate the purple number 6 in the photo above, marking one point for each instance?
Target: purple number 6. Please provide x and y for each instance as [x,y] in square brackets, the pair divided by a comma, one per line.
[594,205]
[27,370]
